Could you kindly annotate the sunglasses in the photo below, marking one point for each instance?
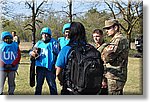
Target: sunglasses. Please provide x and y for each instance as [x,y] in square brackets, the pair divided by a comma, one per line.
[45,33]
[109,28]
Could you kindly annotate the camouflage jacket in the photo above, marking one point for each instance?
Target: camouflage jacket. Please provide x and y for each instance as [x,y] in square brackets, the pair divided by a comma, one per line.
[115,57]
[99,47]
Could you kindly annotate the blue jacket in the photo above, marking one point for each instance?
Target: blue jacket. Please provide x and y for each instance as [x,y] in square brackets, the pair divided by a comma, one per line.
[48,53]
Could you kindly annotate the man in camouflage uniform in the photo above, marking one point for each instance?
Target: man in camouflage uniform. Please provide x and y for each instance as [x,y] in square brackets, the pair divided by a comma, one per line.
[115,57]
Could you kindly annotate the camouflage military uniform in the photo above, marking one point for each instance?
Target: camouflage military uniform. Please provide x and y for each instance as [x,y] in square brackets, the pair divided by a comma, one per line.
[104,88]
[115,57]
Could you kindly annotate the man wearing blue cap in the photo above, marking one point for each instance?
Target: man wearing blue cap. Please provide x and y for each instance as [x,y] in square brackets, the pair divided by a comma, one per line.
[45,52]
[63,41]
[9,58]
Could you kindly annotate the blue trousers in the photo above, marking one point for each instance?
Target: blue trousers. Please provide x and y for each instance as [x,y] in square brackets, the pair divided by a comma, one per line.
[41,74]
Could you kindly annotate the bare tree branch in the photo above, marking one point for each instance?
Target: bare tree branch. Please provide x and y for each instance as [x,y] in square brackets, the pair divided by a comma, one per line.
[28,25]
[28,29]
[113,13]
[37,10]
[27,3]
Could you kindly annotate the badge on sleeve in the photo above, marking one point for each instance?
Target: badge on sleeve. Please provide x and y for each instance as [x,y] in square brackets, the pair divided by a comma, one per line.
[111,47]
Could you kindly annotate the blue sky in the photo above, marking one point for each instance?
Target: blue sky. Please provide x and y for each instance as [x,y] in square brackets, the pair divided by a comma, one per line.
[57,5]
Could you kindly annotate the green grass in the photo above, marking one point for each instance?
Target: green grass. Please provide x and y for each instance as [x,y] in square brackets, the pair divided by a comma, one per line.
[133,85]
[22,83]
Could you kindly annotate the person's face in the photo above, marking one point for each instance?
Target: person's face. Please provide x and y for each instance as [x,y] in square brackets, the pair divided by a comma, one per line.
[45,36]
[110,31]
[8,39]
[67,33]
[97,38]
[13,34]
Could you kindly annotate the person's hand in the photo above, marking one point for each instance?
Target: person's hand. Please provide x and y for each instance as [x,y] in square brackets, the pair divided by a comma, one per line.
[1,64]
[109,75]
[104,84]
[34,53]
[8,66]
[59,77]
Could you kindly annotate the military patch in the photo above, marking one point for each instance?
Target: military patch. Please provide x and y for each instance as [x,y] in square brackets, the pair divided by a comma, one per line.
[110,47]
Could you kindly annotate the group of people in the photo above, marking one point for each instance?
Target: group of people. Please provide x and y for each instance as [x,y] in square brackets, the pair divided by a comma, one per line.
[52,55]
[115,56]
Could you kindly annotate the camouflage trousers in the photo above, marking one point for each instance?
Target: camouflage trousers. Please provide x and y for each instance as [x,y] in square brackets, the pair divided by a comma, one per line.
[115,87]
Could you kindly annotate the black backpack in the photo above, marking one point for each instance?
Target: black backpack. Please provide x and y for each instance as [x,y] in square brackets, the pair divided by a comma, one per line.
[84,70]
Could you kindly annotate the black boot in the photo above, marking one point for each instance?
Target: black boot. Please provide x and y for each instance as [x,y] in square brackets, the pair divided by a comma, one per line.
[11,93]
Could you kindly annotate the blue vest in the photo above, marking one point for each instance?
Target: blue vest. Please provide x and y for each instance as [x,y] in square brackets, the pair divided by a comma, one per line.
[48,53]
[63,41]
[8,53]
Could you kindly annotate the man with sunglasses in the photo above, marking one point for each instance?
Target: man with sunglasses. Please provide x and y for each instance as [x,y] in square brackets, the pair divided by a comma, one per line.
[115,57]
[9,58]
[45,52]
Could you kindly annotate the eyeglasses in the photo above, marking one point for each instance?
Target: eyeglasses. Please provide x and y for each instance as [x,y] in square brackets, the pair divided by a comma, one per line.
[45,33]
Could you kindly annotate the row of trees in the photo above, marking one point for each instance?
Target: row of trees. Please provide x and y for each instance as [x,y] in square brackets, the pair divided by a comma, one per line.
[129,13]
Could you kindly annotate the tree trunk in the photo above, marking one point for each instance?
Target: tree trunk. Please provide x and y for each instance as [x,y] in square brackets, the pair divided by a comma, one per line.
[33,25]
[129,38]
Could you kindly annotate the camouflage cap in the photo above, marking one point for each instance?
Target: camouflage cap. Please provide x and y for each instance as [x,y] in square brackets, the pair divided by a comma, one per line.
[109,23]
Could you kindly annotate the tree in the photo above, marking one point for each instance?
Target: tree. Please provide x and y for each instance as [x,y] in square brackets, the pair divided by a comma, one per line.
[35,13]
[130,11]
[67,10]
[93,19]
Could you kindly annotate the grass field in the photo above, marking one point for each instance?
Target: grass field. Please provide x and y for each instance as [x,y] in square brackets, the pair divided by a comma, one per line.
[133,86]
